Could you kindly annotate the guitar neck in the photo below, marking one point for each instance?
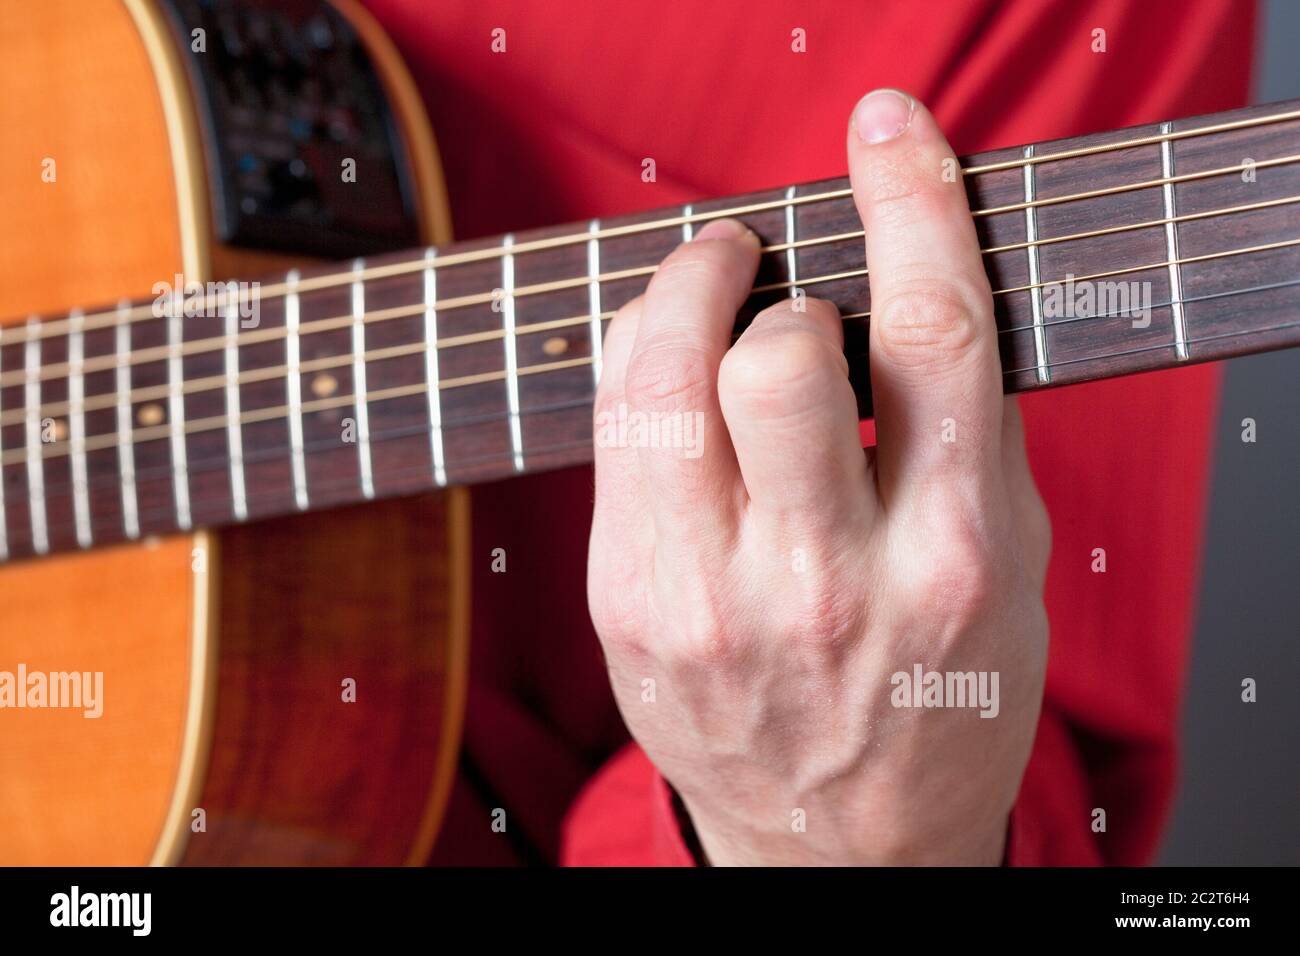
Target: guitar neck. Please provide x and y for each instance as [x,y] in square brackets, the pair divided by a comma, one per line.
[1108,254]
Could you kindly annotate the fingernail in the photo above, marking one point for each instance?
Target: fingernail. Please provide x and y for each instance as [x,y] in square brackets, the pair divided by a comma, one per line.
[882,115]
[724,229]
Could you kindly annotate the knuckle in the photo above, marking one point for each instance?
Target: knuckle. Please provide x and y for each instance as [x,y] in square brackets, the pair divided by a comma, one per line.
[968,591]
[921,323]
[960,579]
[702,632]
[708,644]
[785,369]
[975,583]
[828,611]
[974,594]
[668,378]
[617,609]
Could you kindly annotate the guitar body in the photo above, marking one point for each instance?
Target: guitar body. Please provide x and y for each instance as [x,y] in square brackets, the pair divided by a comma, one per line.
[228,732]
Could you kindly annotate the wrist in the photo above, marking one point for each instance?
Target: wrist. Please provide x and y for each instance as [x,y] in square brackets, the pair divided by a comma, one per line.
[723,840]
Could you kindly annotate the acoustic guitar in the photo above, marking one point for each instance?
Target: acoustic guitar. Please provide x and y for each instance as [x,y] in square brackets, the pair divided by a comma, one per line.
[233,510]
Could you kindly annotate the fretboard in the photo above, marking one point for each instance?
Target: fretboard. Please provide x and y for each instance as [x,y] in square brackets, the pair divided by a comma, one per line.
[1109,254]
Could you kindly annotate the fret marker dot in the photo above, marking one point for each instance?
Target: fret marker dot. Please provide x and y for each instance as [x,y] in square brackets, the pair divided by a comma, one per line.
[149,415]
[323,386]
[555,346]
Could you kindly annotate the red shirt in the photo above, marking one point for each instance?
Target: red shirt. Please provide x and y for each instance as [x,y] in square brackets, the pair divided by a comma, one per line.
[555,130]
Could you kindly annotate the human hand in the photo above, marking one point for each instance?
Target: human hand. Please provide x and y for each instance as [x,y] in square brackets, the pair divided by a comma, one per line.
[774,587]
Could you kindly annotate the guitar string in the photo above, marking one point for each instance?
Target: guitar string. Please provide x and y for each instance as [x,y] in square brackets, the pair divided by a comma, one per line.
[277,452]
[449,259]
[255,415]
[166,512]
[135,314]
[145,434]
[161,514]
[104,400]
[56,371]
[1159,264]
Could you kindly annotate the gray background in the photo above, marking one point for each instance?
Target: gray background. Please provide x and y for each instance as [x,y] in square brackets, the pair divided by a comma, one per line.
[1238,799]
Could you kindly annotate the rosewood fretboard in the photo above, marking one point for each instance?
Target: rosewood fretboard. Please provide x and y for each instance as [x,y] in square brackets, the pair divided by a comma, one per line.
[478,360]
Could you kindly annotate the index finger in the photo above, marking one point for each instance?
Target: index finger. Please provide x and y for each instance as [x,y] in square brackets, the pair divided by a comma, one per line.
[691,477]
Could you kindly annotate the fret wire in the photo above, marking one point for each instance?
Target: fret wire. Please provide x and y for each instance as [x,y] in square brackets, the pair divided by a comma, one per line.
[430,349]
[125,435]
[77,430]
[403,431]
[234,427]
[35,460]
[362,401]
[176,420]
[293,387]
[1031,251]
[449,259]
[596,327]
[198,346]
[791,251]
[511,358]
[688,214]
[1171,244]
